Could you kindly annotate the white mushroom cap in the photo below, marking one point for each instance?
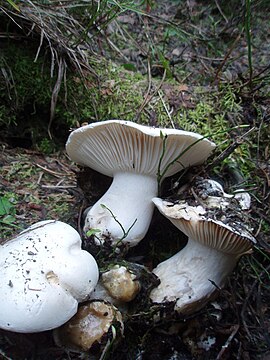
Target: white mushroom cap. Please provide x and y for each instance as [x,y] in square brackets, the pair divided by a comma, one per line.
[117,145]
[44,274]
[134,155]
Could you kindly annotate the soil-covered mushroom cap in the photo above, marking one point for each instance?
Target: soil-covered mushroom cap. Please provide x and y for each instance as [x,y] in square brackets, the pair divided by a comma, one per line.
[137,157]
[191,277]
[232,238]
[212,195]
[44,275]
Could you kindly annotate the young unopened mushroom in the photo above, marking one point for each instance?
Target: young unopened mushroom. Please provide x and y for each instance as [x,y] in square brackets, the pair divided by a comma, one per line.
[192,276]
[137,157]
[44,275]
[90,327]
[121,283]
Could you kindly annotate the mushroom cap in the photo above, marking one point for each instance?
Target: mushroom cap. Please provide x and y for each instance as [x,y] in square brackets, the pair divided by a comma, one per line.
[117,145]
[89,326]
[121,283]
[44,274]
[193,221]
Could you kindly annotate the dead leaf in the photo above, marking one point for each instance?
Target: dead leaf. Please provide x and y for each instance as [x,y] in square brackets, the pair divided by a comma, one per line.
[126,19]
[183,87]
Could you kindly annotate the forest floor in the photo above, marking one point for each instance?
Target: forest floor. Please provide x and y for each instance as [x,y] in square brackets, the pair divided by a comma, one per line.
[189,66]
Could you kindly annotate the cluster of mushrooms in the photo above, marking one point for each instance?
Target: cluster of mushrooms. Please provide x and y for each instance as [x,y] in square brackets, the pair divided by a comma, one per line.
[46,274]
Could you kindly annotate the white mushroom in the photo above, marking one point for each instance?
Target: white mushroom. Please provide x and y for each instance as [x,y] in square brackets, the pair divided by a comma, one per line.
[192,276]
[44,275]
[137,157]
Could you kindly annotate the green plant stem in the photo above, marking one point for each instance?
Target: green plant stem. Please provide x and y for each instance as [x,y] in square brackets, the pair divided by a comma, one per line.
[125,233]
[161,174]
[15,6]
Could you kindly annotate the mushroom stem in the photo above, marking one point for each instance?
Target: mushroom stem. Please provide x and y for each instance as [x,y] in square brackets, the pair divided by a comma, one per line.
[192,275]
[124,212]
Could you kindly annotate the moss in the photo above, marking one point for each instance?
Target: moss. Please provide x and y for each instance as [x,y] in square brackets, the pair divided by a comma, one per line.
[215,114]
[26,109]
[109,97]
[26,93]
[113,93]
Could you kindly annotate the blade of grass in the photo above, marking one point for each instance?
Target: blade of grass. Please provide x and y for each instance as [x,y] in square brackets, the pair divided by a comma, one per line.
[161,174]
[248,36]
[15,6]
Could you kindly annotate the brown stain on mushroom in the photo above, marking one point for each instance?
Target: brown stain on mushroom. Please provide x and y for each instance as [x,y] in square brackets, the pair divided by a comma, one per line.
[52,278]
